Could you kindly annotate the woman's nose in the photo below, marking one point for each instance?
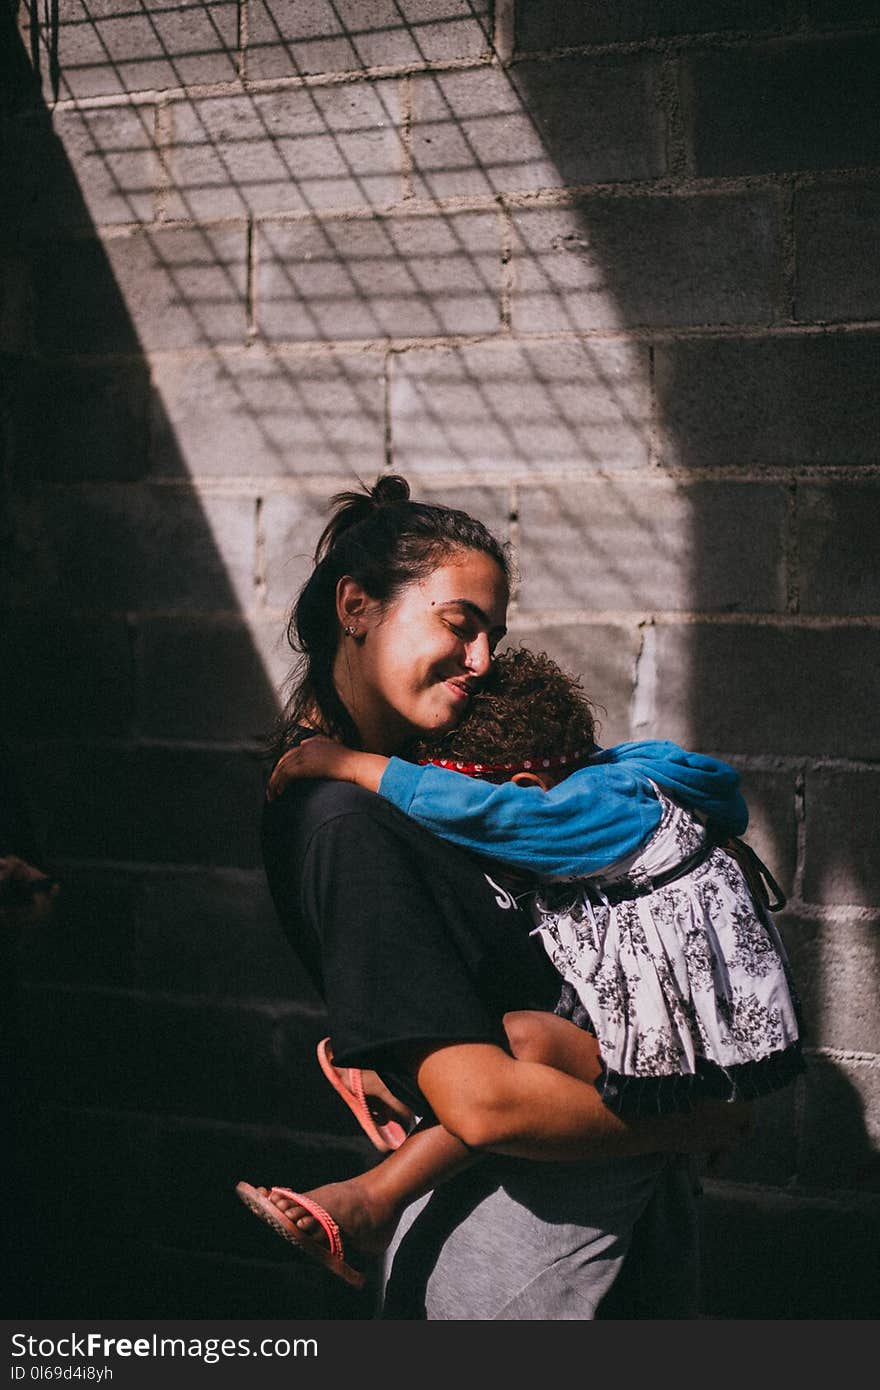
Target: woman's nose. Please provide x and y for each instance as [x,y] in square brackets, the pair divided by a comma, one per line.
[478,655]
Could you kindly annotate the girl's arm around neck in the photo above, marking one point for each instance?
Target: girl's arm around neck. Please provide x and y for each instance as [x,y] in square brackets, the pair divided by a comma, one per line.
[324,757]
[589,820]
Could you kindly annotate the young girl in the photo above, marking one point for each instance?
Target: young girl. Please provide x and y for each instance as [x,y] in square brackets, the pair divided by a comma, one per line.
[668,957]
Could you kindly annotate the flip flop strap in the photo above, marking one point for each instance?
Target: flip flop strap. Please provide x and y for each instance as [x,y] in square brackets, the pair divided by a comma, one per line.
[324,1219]
[355,1081]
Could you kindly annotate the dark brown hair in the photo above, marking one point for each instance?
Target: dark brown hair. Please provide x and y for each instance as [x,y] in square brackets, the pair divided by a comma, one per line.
[385,542]
[527,708]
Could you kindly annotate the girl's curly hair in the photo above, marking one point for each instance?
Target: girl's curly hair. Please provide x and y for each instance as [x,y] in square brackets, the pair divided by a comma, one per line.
[528,707]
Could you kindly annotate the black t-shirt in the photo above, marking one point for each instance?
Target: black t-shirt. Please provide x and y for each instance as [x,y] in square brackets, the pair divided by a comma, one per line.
[408,939]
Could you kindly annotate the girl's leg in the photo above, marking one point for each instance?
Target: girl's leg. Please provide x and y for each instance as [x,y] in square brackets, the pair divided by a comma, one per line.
[368,1207]
[558,1043]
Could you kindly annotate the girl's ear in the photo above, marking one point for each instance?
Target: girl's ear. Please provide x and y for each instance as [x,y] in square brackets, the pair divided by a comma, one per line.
[530,779]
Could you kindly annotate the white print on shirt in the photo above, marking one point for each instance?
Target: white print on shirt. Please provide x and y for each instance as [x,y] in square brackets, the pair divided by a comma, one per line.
[502,897]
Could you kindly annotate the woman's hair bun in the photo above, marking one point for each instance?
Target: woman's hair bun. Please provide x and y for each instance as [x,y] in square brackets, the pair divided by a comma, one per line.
[351,508]
[390,488]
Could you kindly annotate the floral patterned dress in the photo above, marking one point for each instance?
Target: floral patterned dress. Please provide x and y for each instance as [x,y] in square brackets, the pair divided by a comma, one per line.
[686,987]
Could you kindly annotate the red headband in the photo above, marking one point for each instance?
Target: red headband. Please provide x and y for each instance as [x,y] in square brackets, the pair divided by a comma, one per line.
[534,764]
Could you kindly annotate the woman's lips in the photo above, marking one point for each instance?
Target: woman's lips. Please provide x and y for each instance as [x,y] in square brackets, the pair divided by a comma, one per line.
[459,690]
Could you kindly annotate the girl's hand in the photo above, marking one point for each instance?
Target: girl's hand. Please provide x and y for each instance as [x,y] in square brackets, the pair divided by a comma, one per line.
[318,756]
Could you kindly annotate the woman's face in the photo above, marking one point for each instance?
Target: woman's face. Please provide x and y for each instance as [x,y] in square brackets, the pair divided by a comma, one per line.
[412,666]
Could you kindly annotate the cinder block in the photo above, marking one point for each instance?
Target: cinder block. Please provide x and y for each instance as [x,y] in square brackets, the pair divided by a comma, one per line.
[541,125]
[836,231]
[89,941]
[837,532]
[139,548]
[613,262]
[784,105]
[491,505]
[291,151]
[214,933]
[112,156]
[291,527]
[841,864]
[311,1104]
[270,642]
[772,828]
[165,805]
[777,402]
[72,676]
[841,1126]
[85,168]
[212,1158]
[205,1285]
[159,289]
[217,1062]
[521,408]
[16,314]
[383,277]
[760,689]
[603,655]
[287,38]
[268,415]
[21,86]
[650,544]
[113,46]
[80,307]
[178,1058]
[827,14]
[96,428]
[203,679]
[769,1155]
[544,24]
[768,1255]
[97,1163]
[101,1036]
[834,966]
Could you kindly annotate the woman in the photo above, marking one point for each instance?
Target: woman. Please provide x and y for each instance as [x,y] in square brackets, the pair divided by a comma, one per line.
[418,953]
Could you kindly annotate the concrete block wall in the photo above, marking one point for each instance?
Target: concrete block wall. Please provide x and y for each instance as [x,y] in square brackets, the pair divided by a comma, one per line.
[605,274]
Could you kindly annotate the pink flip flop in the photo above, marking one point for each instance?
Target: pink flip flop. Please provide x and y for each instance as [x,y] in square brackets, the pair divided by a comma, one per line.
[331,1256]
[385,1137]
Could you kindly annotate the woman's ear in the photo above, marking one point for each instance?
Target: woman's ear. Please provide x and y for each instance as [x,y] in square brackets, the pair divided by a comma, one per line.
[353,604]
[530,779]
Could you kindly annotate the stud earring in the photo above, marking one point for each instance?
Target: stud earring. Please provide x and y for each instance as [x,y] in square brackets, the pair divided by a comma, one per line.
[350,630]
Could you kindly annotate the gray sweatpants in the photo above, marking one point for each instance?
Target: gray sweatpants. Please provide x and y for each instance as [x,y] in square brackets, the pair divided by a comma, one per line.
[515,1240]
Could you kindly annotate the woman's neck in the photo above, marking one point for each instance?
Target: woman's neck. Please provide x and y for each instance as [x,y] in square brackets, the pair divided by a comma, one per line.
[373,726]
[379,729]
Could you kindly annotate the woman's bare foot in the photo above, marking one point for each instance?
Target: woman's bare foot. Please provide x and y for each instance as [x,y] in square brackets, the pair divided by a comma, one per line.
[364,1221]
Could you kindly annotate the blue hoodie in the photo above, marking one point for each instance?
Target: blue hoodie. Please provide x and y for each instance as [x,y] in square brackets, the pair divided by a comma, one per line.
[597,815]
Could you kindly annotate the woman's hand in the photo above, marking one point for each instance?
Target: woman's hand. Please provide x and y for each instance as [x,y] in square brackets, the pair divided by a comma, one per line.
[320,756]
